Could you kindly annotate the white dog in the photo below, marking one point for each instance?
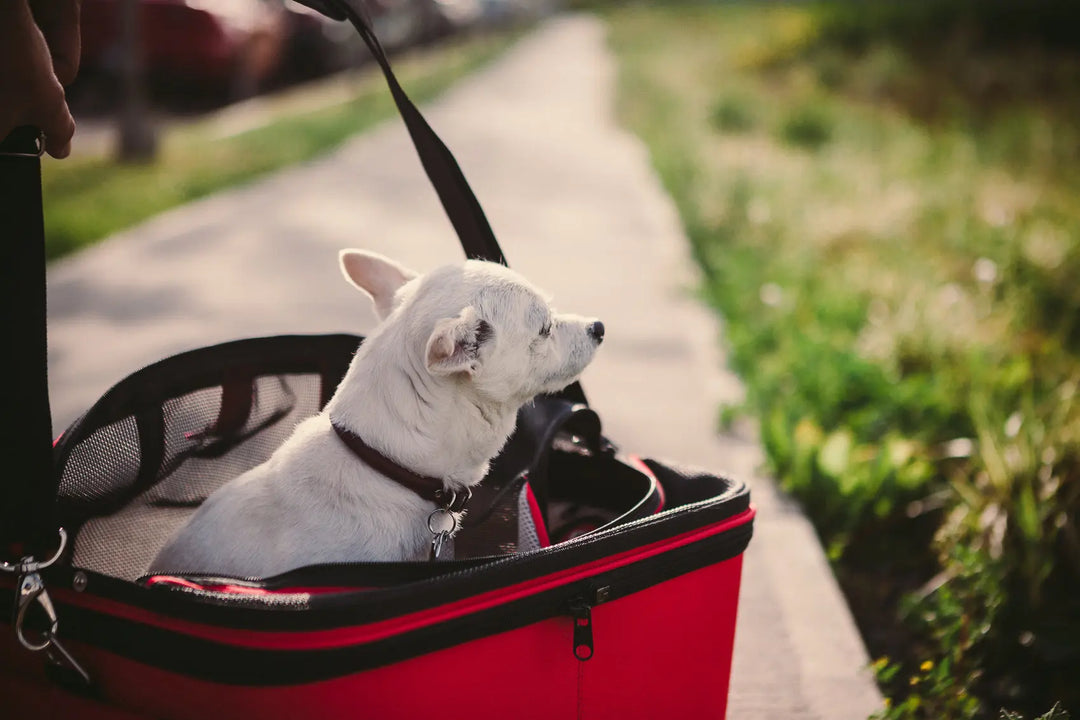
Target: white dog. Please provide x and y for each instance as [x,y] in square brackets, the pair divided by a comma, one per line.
[435,390]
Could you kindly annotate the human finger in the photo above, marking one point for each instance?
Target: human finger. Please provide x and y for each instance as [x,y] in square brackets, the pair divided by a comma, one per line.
[59,23]
[55,120]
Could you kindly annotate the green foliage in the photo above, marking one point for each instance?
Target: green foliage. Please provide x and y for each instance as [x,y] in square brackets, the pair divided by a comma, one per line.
[916,23]
[956,614]
[808,126]
[734,114]
[903,308]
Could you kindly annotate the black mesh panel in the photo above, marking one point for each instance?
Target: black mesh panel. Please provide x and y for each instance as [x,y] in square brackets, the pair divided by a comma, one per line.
[102,466]
[128,484]
[199,454]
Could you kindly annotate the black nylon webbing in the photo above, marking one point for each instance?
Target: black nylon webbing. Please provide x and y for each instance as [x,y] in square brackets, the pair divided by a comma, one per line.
[27,481]
[458,199]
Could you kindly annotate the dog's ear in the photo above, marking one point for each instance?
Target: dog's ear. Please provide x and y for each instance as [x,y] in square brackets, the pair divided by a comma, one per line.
[454,345]
[378,276]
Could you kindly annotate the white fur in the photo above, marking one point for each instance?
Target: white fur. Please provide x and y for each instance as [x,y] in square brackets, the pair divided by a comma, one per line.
[431,388]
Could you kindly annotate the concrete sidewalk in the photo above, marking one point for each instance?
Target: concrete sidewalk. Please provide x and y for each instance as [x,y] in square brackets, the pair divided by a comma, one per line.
[578,210]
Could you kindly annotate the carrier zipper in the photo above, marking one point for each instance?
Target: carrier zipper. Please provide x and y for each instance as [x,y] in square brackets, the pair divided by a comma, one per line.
[583,635]
[472,566]
[728,546]
[581,611]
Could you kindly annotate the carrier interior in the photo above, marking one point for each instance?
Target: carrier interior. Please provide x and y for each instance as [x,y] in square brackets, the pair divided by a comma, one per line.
[140,463]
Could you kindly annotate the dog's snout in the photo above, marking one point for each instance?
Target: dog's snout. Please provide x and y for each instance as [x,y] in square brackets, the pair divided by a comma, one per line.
[596,331]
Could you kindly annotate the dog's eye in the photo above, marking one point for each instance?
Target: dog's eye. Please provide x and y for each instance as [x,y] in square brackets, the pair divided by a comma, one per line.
[546,330]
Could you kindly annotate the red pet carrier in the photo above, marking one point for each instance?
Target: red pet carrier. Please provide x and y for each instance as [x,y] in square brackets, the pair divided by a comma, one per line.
[586,582]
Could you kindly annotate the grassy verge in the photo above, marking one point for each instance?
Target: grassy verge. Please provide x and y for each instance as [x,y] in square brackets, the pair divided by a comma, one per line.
[885,204]
[89,198]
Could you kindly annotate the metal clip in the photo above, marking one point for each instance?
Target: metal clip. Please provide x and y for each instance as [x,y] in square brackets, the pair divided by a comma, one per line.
[31,590]
[29,565]
[457,501]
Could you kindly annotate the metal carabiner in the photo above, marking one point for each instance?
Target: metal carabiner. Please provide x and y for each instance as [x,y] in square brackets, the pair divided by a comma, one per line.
[29,565]
[31,590]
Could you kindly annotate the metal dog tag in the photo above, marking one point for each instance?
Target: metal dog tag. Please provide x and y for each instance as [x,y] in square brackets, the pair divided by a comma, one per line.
[437,544]
[441,524]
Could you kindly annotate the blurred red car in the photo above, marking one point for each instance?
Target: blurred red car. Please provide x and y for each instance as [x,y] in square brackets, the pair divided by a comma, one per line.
[217,45]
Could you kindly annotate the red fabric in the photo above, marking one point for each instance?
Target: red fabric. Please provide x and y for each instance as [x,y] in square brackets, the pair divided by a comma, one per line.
[523,674]
[26,693]
[537,517]
[345,636]
[662,652]
[666,651]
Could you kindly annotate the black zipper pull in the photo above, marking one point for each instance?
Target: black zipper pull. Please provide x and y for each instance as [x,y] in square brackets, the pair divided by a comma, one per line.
[583,636]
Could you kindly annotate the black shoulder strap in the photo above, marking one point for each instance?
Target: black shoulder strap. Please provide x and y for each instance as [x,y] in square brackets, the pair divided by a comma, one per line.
[27,482]
[457,197]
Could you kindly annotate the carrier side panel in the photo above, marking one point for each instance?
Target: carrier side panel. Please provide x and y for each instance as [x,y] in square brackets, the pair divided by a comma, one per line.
[525,673]
[664,651]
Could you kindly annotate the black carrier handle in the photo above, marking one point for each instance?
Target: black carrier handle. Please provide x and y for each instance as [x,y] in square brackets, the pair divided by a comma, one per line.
[27,481]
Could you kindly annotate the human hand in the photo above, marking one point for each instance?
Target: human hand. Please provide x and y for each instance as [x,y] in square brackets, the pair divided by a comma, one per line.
[39,54]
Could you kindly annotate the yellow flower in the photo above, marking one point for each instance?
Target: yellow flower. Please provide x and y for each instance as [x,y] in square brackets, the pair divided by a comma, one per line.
[913,681]
[888,703]
[927,666]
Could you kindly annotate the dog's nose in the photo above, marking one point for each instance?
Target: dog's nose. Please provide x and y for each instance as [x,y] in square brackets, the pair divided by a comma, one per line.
[596,330]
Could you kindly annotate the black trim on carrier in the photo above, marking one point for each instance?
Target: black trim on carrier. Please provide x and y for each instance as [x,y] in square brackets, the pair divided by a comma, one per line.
[447,582]
[204,368]
[237,665]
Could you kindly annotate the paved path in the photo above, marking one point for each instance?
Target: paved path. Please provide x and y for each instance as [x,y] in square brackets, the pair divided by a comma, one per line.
[578,210]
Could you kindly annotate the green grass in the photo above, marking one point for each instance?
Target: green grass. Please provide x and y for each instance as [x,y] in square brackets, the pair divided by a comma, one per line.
[733,113]
[809,126]
[886,206]
[88,198]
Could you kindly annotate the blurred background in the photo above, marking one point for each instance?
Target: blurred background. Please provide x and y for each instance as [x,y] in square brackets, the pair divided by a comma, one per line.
[177,99]
[885,200]
[883,197]
[196,54]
